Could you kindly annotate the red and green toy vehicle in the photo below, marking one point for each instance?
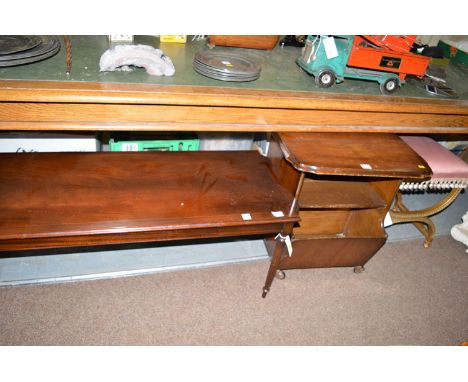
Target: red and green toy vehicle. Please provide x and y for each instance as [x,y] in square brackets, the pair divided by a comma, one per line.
[384,59]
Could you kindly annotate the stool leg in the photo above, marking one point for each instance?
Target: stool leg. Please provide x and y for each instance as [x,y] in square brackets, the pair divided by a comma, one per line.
[420,219]
[398,202]
[422,224]
[427,229]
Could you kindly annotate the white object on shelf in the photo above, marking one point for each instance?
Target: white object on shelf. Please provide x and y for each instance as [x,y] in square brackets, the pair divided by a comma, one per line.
[225,141]
[121,57]
[121,38]
[47,142]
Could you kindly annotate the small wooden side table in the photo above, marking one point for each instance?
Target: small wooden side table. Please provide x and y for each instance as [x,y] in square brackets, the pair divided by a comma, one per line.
[346,183]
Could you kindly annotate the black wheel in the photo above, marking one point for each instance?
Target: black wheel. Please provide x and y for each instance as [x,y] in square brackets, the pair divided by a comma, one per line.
[325,79]
[389,86]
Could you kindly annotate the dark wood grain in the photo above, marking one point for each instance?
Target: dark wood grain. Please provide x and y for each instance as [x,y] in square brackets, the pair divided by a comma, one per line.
[281,170]
[332,252]
[352,154]
[57,199]
[328,192]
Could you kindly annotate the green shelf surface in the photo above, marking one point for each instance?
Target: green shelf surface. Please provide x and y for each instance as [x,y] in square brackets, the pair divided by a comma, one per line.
[279,69]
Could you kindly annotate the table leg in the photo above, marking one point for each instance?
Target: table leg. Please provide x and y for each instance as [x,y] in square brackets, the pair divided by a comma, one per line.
[276,258]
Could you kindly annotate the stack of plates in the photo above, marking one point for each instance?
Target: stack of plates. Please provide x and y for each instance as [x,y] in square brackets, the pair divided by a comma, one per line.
[19,50]
[226,66]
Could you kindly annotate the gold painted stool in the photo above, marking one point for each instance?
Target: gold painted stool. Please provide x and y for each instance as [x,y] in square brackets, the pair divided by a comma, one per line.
[450,173]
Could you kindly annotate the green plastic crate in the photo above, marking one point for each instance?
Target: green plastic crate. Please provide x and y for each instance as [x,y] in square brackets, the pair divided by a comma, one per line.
[155,145]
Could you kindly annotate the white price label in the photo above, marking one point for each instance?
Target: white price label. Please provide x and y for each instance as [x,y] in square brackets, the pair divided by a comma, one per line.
[330,47]
[246,216]
[287,241]
[289,245]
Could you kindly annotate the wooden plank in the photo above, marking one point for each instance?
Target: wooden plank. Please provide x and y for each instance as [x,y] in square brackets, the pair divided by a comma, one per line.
[121,93]
[72,105]
[231,127]
[25,116]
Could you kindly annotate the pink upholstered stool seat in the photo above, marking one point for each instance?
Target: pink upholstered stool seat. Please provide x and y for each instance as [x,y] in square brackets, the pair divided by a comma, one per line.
[448,170]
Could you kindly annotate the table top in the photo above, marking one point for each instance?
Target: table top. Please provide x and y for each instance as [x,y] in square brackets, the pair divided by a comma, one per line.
[56,195]
[363,154]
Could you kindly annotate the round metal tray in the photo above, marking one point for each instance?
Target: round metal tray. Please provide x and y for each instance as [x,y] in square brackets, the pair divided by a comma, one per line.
[15,44]
[223,77]
[49,46]
[223,71]
[228,62]
[220,74]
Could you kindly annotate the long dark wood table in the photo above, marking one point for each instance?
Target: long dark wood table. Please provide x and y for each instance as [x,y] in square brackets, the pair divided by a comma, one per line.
[53,200]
